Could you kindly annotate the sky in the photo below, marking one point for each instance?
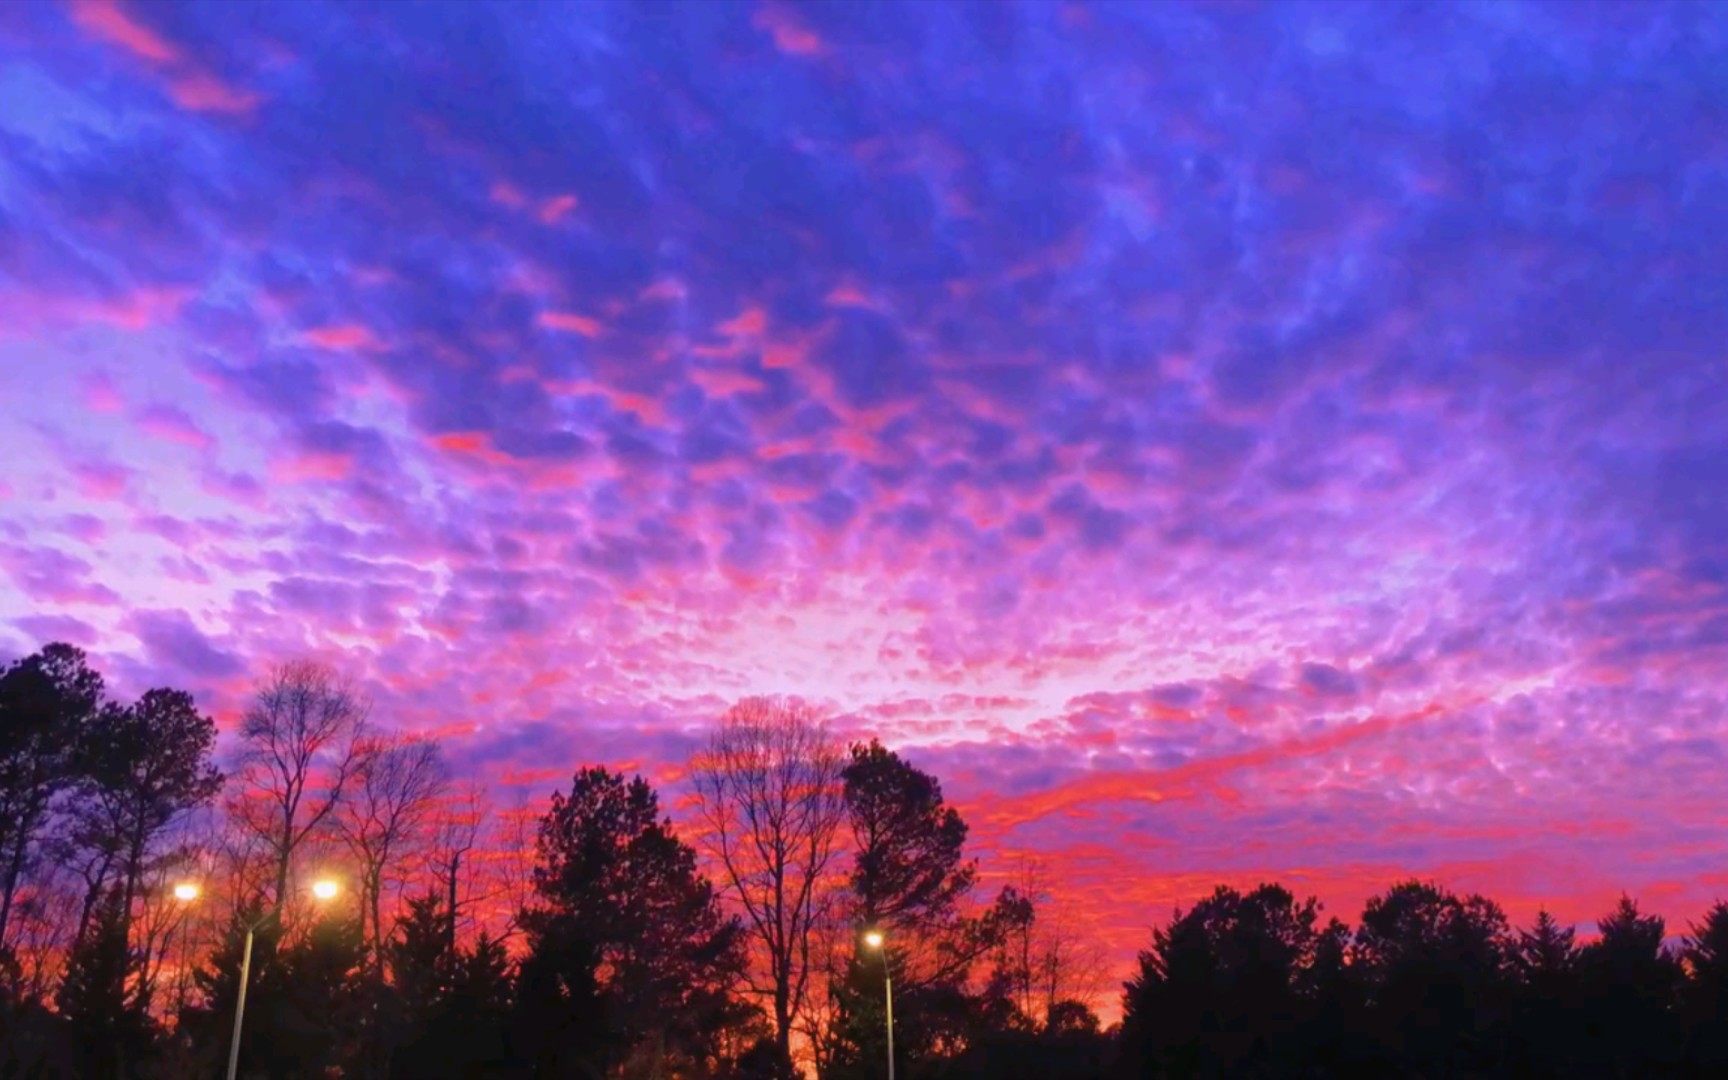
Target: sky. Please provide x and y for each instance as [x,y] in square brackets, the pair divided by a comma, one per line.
[1223,442]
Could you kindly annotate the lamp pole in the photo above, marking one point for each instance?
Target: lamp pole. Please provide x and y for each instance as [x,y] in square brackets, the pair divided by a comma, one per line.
[888,987]
[876,940]
[186,892]
[240,1002]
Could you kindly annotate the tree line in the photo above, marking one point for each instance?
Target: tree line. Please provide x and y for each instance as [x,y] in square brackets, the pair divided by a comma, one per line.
[596,939]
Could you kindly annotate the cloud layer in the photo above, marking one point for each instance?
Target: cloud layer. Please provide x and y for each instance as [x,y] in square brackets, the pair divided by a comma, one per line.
[1224,442]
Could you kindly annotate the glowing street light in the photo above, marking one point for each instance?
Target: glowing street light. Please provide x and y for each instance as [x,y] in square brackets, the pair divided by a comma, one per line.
[323,889]
[186,891]
[879,941]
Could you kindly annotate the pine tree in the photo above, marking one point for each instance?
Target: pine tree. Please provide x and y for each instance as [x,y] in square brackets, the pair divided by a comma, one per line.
[909,875]
[1630,984]
[627,941]
[111,1027]
[453,1004]
[1545,962]
[1707,992]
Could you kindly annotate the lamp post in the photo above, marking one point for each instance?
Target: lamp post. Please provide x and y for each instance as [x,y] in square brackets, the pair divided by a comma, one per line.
[876,940]
[185,892]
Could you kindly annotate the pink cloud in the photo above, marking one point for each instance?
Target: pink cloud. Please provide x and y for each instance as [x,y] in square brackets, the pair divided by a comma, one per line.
[173,425]
[313,466]
[571,322]
[108,20]
[139,309]
[101,395]
[749,323]
[342,337]
[203,92]
[788,31]
[102,480]
[554,209]
[189,86]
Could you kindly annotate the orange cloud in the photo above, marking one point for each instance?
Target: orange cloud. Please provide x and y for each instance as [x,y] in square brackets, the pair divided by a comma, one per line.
[1156,785]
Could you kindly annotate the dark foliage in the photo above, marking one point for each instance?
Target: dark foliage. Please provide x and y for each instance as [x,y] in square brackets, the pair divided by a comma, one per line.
[909,876]
[628,951]
[450,1007]
[47,701]
[1226,988]
[105,1012]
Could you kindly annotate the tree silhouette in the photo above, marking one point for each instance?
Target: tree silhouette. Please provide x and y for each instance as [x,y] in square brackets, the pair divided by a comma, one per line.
[1333,1041]
[1436,970]
[909,876]
[1630,984]
[302,744]
[109,1018]
[1221,990]
[770,805]
[1545,963]
[1706,994]
[141,768]
[624,920]
[47,700]
[452,1005]
[1038,956]
[386,813]
[317,1018]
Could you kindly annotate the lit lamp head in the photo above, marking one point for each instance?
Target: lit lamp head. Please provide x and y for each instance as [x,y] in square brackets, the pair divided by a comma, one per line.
[324,890]
[186,892]
[874,938]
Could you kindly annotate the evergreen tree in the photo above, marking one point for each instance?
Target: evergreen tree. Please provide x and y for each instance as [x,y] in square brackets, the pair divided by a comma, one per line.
[1436,970]
[452,1005]
[627,942]
[206,1024]
[1706,993]
[305,1003]
[110,1025]
[1220,991]
[47,701]
[1545,962]
[316,1017]
[141,767]
[1630,984]
[909,875]
[1336,1002]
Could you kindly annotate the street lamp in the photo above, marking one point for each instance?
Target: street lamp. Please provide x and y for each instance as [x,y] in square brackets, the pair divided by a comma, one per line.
[322,889]
[878,941]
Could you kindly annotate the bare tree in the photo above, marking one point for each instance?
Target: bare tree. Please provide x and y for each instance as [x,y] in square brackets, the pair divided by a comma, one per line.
[303,744]
[388,814]
[511,880]
[455,835]
[1042,958]
[769,798]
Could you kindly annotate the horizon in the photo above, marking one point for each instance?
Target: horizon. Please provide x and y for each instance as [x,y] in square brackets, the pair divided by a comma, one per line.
[1221,444]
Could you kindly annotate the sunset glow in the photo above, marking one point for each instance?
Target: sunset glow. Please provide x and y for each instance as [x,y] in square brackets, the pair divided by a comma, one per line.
[1222,443]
